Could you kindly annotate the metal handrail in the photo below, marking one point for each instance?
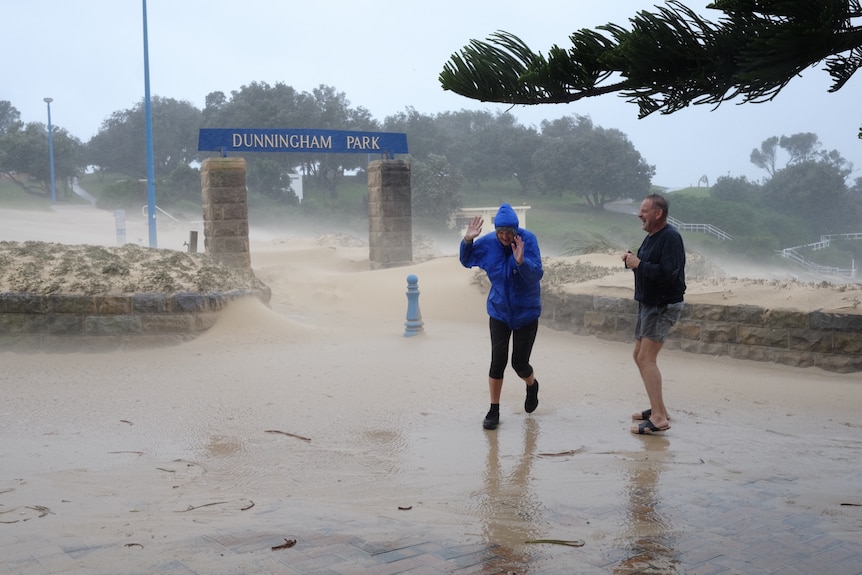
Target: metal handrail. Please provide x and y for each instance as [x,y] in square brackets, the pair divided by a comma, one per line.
[145,211]
[703,228]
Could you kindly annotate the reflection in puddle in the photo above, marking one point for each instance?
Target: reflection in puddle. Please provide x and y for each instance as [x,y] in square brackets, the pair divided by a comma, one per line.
[648,531]
[509,511]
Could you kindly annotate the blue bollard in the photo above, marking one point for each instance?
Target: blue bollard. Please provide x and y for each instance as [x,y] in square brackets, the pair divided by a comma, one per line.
[414,316]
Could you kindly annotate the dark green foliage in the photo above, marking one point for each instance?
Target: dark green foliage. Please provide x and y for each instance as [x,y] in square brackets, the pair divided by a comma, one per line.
[123,194]
[815,192]
[598,165]
[23,153]
[840,253]
[10,117]
[259,104]
[435,188]
[121,144]
[184,183]
[756,229]
[669,58]
[267,178]
[735,189]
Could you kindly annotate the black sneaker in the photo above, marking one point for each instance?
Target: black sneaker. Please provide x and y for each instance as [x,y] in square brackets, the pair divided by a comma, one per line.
[532,401]
[492,420]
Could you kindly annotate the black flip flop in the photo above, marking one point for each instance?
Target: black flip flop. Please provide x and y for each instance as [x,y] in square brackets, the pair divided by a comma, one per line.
[648,428]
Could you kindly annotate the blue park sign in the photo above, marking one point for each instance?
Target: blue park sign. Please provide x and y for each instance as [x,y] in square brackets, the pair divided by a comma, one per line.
[226,140]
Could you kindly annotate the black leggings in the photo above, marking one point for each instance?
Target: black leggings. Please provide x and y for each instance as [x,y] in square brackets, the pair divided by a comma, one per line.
[522,347]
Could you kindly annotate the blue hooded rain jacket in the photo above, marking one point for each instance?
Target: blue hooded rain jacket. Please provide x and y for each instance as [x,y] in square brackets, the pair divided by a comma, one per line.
[515,296]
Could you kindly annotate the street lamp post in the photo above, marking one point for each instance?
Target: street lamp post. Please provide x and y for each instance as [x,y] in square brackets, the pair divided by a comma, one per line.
[148,113]
[51,151]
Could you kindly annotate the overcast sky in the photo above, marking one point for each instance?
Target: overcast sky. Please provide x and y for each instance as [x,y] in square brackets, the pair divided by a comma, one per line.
[88,56]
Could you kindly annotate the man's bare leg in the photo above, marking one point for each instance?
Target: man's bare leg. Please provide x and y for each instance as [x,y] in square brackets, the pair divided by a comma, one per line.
[645,355]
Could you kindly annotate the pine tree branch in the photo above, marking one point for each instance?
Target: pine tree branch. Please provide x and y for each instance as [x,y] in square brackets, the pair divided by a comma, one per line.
[671,58]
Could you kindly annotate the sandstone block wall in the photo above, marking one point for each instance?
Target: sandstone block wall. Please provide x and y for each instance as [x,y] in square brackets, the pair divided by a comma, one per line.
[225,207]
[390,215]
[67,323]
[63,323]
[829,341]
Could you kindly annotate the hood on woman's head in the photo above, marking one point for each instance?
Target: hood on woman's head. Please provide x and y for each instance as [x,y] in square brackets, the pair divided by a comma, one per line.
[506,217]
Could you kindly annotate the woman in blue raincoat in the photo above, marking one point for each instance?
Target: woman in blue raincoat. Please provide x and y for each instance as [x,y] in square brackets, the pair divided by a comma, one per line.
[512,260]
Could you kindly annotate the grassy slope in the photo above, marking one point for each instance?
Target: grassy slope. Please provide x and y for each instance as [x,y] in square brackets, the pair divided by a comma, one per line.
[14,198]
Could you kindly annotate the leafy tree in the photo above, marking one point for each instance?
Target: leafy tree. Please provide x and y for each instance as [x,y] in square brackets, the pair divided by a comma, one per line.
[425,134]
[735,189]
[554,161]
[815,191]
[554,167]
[435,187]
[25,156]
[185,183]
[260,105]
[567,126]
[515,151]
[670,58]
[765,156]
[487,146]
[334,113]
[480,145]
[267,178]
[463,133]
[120,144]
[598,164]
[800,147]
[124,194]
[10,117]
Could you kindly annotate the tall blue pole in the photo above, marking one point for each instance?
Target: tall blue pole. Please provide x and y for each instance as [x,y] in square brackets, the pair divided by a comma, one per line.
[151,171]
[51,152]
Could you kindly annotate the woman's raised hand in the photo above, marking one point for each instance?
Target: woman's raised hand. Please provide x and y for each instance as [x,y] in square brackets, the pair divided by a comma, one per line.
[474,228]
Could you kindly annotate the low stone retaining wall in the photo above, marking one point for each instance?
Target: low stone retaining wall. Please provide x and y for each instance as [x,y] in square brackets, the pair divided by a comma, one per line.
[70,323]
[830,341]
[66,324]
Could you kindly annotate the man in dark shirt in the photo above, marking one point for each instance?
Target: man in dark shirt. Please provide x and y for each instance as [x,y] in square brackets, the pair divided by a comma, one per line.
[659,270]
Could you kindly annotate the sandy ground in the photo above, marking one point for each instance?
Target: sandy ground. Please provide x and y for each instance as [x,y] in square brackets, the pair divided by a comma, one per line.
[318,410]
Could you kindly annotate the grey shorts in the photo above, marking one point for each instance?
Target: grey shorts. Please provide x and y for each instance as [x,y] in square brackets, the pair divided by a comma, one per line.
[654,322]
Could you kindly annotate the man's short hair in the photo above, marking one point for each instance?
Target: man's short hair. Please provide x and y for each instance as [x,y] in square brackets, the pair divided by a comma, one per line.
[659,201]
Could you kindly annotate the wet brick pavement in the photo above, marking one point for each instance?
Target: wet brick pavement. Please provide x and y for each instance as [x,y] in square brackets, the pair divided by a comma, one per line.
[731,539]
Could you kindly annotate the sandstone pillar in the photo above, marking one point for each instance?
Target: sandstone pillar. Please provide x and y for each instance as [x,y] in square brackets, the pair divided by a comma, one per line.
[390,223]
[225,206]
